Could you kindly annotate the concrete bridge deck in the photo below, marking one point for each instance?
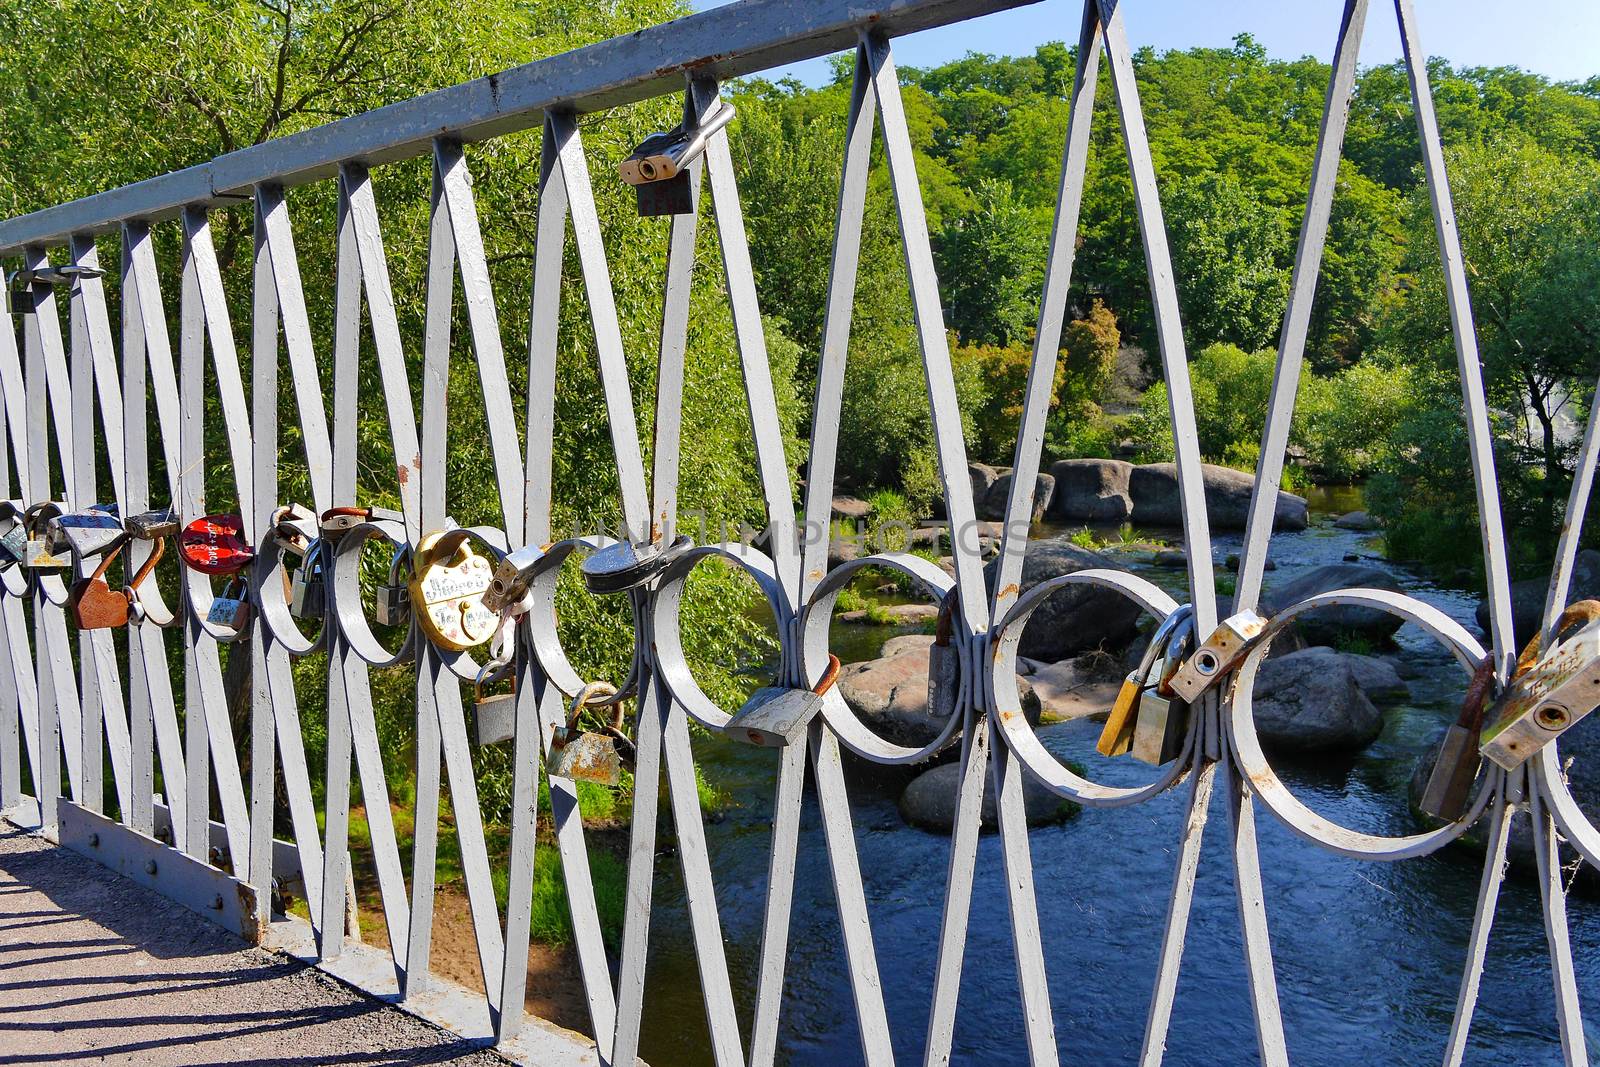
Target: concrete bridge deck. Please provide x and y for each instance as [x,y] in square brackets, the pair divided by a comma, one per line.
[97,969]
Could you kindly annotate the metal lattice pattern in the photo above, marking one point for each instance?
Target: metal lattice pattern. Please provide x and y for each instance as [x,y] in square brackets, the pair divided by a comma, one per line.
[66,693]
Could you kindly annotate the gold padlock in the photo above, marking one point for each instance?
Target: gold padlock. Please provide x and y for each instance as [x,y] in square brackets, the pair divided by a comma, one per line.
[447,591]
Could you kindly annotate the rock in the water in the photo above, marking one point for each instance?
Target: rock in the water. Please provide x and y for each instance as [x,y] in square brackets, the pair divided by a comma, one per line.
[1067,691]
[1309,702]
[850,507]
[1527,597]
[992,505]
[1232,563]
[843,550]
[1375,676]
[930,801]
[1154,491]
[1329,625]
[1075,619]
[1092,490]
[897,614]
[890,695]
[1356,520]
[1175,558]
[905,643]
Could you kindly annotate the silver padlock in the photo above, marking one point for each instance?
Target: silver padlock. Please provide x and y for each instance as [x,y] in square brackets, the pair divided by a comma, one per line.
[232,608]
[589,755]
[393,598]
[85,534]
[153,525]
[308,589]
[511,578]
[1226,646]
[13,545]
[36,555]
[1162,720]
[494,716]
[623,566]
[1549,695]
[777,716]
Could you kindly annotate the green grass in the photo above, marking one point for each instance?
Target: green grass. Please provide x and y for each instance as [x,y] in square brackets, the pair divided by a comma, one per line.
[551,919]
[1354,643]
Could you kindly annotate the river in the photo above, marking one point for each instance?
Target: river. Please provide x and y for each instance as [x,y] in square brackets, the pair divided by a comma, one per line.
[1368,956]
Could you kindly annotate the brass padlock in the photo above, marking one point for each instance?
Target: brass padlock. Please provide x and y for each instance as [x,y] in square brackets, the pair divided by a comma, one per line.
[232,608]
[495,715]
[85,534]
[777,716]
[308,589]
[1455,766]
[1548,694]
[1116,737]
[447,592]
[36,552]
[590,755]
[1226,646]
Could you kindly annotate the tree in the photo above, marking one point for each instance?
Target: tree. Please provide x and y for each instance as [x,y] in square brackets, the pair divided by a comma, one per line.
[1226,254]
[992,264]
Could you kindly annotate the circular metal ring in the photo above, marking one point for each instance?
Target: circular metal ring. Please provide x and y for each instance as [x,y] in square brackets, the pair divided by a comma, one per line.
[666,611]
[273,603]
[1575,825]
[148,596]
[815,619]
[198,601]
[1289,809]
[345,609]
[541,621]
[1006,698]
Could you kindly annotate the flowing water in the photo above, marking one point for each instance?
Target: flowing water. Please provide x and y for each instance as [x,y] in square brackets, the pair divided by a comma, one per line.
[1368,956]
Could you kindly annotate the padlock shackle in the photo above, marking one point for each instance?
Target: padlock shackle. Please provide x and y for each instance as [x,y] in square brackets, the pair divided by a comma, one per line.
[585,696]
[829,676]
[106,560]
[144,571]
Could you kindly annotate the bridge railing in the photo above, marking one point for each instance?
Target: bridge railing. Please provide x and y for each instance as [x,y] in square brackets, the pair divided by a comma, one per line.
[86,697]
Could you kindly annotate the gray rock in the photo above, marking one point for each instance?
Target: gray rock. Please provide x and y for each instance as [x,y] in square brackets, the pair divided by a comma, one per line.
[1092,490]
[983,477]
[1527,597]
[1329,625]
[1308,702]
[1075,619]
[1356,520]
[905,643]
[1375,676]
[1154,491]
[930,801]
[1175,558]
[850,507]
[1232,563]
[843,550]
[899,614]
[890,694]
[993,503]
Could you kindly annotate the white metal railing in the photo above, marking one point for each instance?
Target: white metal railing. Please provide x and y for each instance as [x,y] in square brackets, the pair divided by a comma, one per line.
[63,694]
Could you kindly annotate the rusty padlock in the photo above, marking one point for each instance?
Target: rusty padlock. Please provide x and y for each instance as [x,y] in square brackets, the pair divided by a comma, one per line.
[1225,647]
[1455,765]
[95,605]
[590,755]
[1550,690]
[777,716]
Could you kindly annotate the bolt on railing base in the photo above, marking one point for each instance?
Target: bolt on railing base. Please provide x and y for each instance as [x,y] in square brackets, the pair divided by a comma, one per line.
[201,888]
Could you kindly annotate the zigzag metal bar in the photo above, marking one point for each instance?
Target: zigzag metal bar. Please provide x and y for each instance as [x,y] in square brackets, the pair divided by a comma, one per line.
[1553,899]
[1494,870]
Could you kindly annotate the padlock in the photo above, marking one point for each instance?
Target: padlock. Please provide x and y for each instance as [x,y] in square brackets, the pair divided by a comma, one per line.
[447,592]
[494,716]
[308,590]
[85,534]
[13,545]
[777,716]
[1548,694]
[944,665]
[622,566]
[590,755]
[36,551]
[393,598]
[214,544]
[232,608]
[662,156]
[294,528]
[1226,646]
[336,522]
[1455,765]
[1162,722]
[92,601]
[511,577]
[153,525]
[1116,737]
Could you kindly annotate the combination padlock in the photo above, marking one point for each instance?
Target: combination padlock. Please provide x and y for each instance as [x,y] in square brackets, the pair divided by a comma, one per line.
[777,716]
[215,544]
[1548,694]
[622,566]
[590,755]
[85,534]
[447,592]
[308,590]
[232,608]
[96,606]
[494,716]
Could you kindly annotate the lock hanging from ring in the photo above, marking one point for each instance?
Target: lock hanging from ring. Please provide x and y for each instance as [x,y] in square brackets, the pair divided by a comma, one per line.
[494,716]
[622,566]
[13,544]
[96,606]
[232,608]
[36,553]
[308,589]
[1550,690]
[777,716]
[591,755]
[393,598]
[85,534]
[215,544]
[447,589]
[1121,726]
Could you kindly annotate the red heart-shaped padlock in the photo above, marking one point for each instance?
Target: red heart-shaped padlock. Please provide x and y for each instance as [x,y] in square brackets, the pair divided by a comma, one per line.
[214,544]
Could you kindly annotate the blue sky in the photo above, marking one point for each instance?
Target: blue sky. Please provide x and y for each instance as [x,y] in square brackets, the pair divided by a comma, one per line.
[1556,38]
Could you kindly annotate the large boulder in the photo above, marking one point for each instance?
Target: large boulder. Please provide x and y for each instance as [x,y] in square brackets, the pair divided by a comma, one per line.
[1356,520]
[1092,490]
[930,801]
[1375,676]
[890,695]
[1527,597]
[1308,702]
[1153,489]
[992,505]
[1078,618]
[1329,625]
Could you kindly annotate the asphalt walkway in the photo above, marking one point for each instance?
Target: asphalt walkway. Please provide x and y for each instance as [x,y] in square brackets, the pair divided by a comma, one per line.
[96,969]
